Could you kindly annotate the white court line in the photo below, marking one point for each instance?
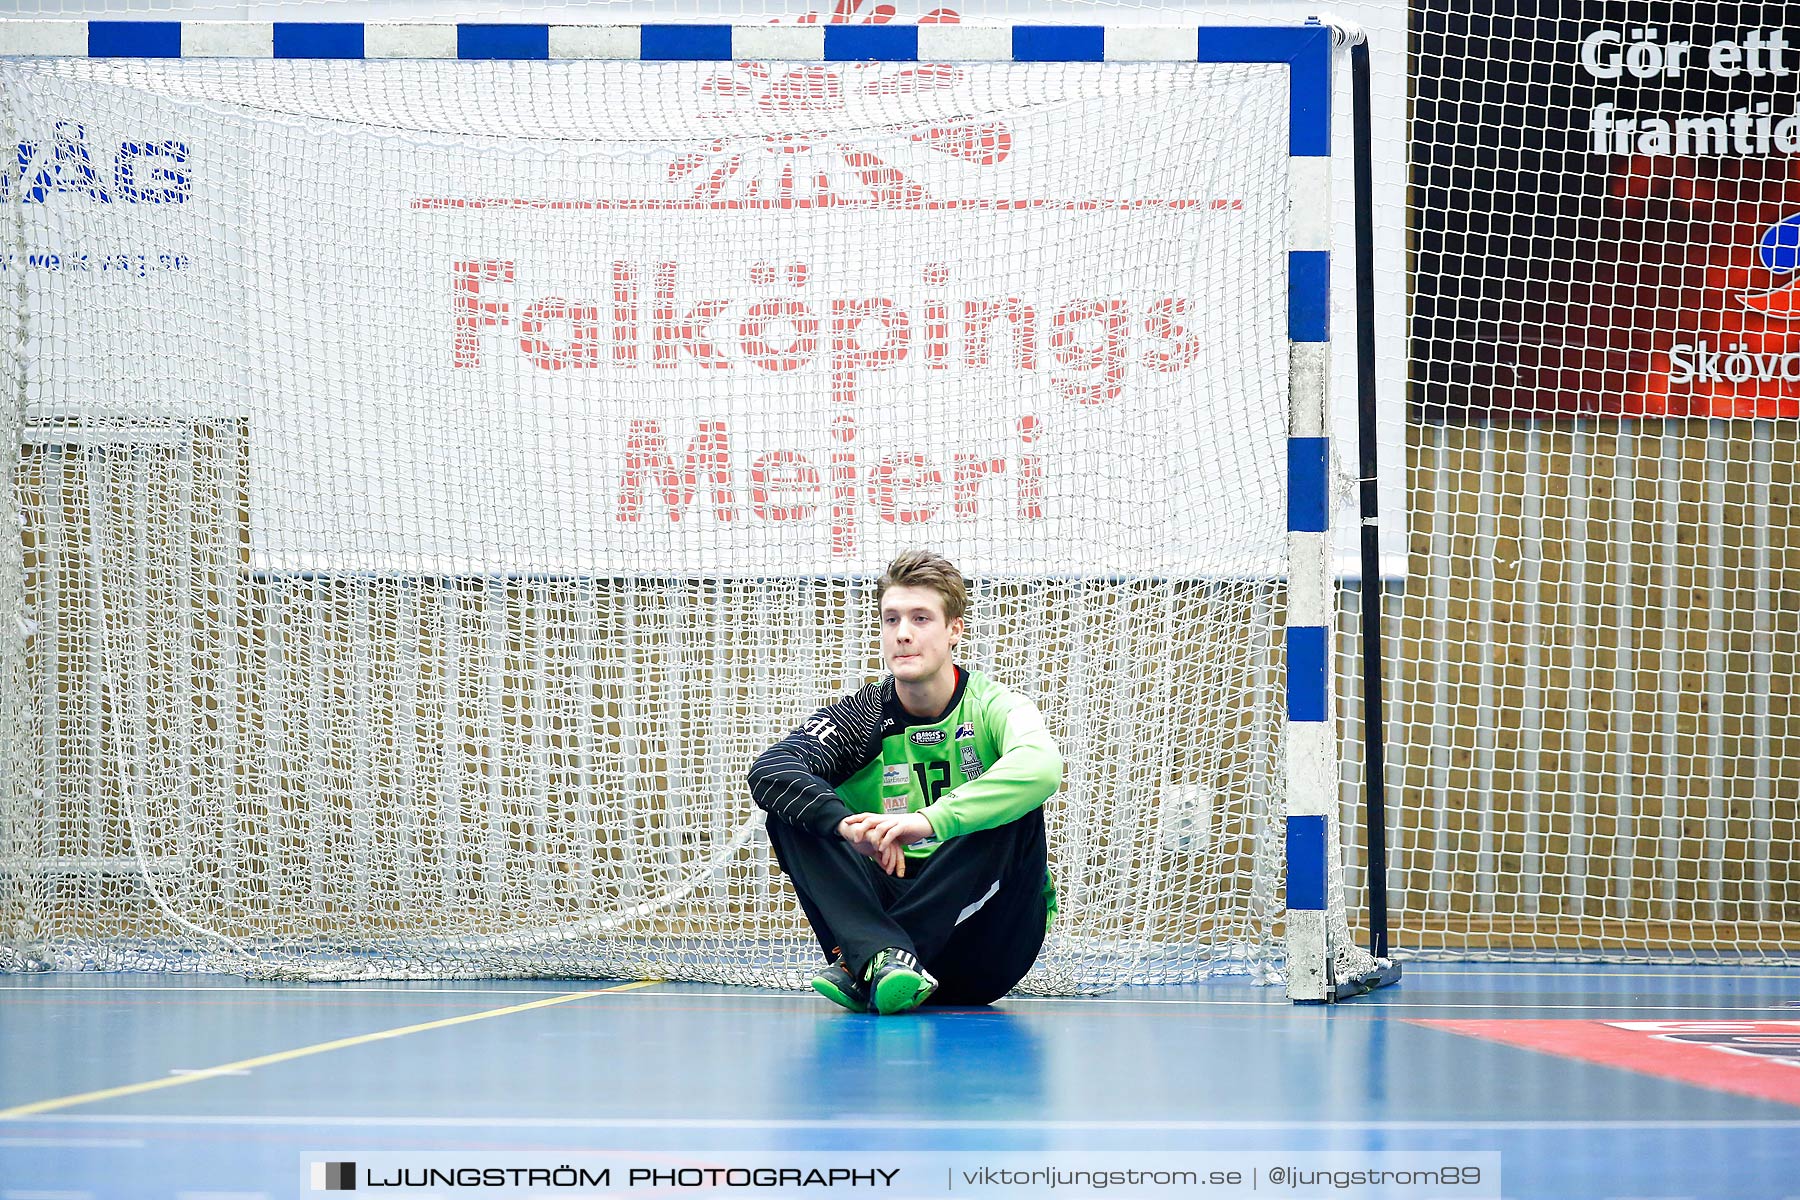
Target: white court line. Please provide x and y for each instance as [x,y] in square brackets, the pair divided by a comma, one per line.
[74,1143]
[1274,1003]
[292,988]
[754,1123]
[1791,974]
[1623,1009]
[418,987]
[1278,1004]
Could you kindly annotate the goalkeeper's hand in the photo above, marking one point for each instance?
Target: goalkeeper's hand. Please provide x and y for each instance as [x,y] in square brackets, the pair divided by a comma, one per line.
[885,837]
[861,831]
[894,833]
[855,830]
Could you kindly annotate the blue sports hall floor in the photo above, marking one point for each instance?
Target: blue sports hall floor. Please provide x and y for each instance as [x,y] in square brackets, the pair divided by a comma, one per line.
[1587,1081]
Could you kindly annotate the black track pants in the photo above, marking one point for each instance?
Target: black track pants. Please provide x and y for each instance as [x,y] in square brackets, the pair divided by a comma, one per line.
[973,912]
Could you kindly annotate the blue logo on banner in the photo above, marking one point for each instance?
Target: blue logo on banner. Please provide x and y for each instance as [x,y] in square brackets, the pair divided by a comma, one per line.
[147,172]
[1779,246]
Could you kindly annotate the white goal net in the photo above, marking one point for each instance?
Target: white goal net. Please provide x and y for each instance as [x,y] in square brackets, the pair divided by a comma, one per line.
[440,480]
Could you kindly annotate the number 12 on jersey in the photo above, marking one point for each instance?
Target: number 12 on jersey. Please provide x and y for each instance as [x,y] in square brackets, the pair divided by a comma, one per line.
[934,777]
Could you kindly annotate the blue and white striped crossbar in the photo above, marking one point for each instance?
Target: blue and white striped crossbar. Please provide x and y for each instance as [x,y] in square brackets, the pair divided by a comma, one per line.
[1305,49]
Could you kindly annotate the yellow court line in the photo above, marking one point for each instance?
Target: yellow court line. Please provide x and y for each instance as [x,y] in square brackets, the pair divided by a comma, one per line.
[132,1089]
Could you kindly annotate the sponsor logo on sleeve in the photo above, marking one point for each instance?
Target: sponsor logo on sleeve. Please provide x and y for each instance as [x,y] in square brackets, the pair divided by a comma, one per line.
[971,762]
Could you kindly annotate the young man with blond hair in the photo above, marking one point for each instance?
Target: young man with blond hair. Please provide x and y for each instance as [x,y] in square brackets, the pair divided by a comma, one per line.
[909,815]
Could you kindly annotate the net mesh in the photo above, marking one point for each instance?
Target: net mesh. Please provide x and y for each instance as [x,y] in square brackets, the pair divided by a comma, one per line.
[1598,636]
[439,481]
[1589,611]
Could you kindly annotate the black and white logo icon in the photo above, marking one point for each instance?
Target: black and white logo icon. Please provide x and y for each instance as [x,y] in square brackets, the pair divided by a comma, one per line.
[334,1177]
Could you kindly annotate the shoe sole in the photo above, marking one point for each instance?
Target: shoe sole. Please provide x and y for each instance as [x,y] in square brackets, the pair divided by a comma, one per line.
[838,996]
[901,991]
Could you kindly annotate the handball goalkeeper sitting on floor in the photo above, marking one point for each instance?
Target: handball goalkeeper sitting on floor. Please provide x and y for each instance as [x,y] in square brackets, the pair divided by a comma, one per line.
[909,815]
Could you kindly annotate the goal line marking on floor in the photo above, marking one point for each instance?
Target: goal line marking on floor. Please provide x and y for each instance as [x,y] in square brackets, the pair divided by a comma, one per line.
[264,1060]
[752,1124]
[1603,1005]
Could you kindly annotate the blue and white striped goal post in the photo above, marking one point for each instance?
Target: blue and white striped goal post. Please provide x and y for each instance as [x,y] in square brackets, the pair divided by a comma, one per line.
[1306,50]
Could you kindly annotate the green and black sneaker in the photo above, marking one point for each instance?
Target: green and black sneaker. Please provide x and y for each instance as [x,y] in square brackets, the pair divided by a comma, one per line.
[897,982]
[839,986]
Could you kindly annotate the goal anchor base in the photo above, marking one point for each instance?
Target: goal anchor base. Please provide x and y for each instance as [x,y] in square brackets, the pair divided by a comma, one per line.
[1385,971]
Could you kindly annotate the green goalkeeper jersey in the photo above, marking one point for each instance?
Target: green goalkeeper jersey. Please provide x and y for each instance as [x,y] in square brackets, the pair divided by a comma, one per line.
[986,760]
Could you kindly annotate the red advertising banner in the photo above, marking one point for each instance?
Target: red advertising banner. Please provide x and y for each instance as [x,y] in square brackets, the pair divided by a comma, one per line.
[1607,212]
[1689,306]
